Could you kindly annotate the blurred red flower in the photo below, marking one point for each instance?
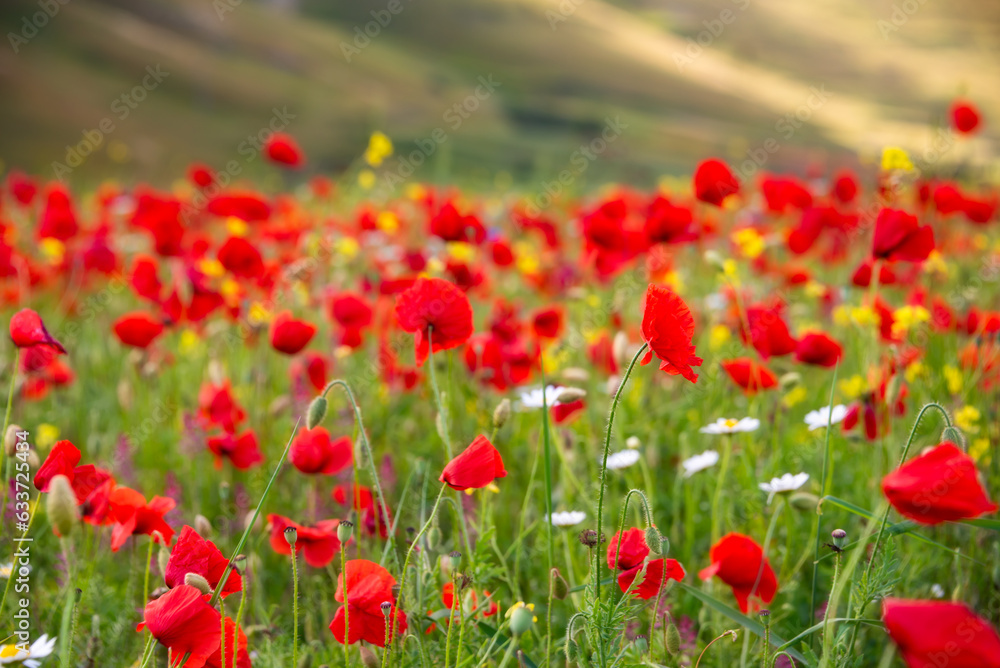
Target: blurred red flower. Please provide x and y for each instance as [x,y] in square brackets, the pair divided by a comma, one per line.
[898,236]
[940,633]
[282,149]
[27,331]
[750,375]
[241,450]
[668,327]
[217,406]
[475,467]
[184,622]
[739,561]
[289,335]
[138,329]
[434,309]
[714,182]
[819,349]
[964,117]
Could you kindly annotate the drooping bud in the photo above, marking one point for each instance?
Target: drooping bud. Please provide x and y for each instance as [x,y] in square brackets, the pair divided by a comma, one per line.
[61,505]
[198,582]
[654,541]
[433,537]
[10,440]
[344,531]
[673,639]
[316,412]
[501,414]
[954,435]
[569,395]
[291,536]
[560,588]
[839,538]
[202,526]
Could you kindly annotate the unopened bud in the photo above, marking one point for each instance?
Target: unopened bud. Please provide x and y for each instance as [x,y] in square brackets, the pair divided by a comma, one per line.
[433,537]
[673,639]
[61,505]
[839,538]
[239,564]
[572,651]
[344,531]
[291,536]
[560,588]
[590,538]
[368,658]
[202,526]
[501,414]
[619,348]
[954,435]
[10,440]
[804,501]
[198,582]
[316,413]
[575,374]
[654,541]
[569,395]
[789,380]
[163,557]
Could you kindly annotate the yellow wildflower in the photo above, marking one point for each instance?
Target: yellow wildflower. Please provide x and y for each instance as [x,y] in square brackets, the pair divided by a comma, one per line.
[853,387]
[907,317]
[980,451]
[45,435]
[366,179]
[794,396]
[954,379]
[895,158]
[749,241]
[718,337]
[966,418]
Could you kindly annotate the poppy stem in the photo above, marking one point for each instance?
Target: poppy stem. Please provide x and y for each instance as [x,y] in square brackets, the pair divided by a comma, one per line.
[236,629]
[347,611]
[455,602]
[823,485]
[727,451]
[6,423]
[547,460]
[222,623]
[827,637]
[145,581]
[295,609]
[604,473]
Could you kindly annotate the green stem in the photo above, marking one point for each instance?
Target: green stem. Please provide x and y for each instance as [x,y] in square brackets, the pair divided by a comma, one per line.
[824,482]
[727,450]
[451,621]
[239,619]
[827,636]
[295,609]
[6,423]
[222,625]
[546,440]
[145,580]
[347,611]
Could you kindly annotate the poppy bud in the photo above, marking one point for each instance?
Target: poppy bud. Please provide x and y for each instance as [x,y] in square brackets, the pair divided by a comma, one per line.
[789,380]
[501,414]
[654,541]
[839,538]
[124,391]
[590,538]
[198,582]
[521,619]
[569,395]
[10,440]
[386,607]
[673,639]
[575,374]
[291,536]
[163,557]
[240,563]
[368,658]
[61,505]
[572,650]
[641,644]
[316,413]
[954,435]
[202,526]
[619,348]
[344,531]
[804,501]
[560,588]
[33,462]
[433,537]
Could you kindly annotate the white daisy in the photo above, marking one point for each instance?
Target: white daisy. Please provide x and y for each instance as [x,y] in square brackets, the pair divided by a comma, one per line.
[786,483]
[820,418]
[568,518]
[533,398]
[622,459]
[731,426]
[705,460]
[6,570]
[937,591]
[39,649]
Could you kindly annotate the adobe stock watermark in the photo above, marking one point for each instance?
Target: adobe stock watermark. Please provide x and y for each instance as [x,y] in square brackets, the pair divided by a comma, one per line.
[902,12]
[579,162]
[31,25]
[454,116]
[713,30]
[363,36]
[566,9]
[121,108]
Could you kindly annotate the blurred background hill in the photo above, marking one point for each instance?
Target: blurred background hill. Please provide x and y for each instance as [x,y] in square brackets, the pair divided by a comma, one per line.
[685,78]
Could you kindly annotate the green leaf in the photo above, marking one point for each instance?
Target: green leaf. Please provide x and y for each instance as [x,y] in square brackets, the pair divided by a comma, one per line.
[750,625]
[992,525]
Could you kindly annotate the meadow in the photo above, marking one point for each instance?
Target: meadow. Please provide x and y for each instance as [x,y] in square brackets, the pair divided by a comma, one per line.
[730,421]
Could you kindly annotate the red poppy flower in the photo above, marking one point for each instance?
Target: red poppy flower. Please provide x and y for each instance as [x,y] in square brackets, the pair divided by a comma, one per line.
[194,554]
[138,329]
[939,633]
[769,332]
[845,187]
[242,450]
[184,622]
[631,558]
[62,459]
[27,331]
[201,175]
[547,323]
[475,467]
[668,327]
[318,542]
[58,220]
[941,485]
[898,236]
[289,335]
[964,117]
[249,207]
[819,349]
[714,182]
[434,309]
[739,561]
[368,587]
[750,375]
[450,601]
[217,406]
[91,485]
[667,223]
[22,187]
[314,452]
[133,516]
[145,279]
[363,498]
[353,313]
[283,150]
[241,258]
[563,413]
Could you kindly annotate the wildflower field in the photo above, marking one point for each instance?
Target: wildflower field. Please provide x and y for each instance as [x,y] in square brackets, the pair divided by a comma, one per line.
[738,420]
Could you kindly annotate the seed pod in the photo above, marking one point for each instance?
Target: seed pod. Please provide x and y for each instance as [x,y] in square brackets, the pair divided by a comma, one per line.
[291,536]
[316,412]
[839,538]
[61,505]
[198,582]
[344,531]
[654,541]
[501,414]
[560,588]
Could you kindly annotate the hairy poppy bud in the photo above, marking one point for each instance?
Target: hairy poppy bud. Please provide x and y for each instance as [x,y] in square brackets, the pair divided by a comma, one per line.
[560,588]
[654,541]
[839,538]
[344,531]
[291,536]
[198,582]
[10,440]
[572,650]
[240,564]
[619,348]
[955,435]
[590,538]
[368,658]
[673,639]
[202,526]
[163,557]
[316,412]
[501,414]
[61,505]
[804,501]
[569,395]
[433,537]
